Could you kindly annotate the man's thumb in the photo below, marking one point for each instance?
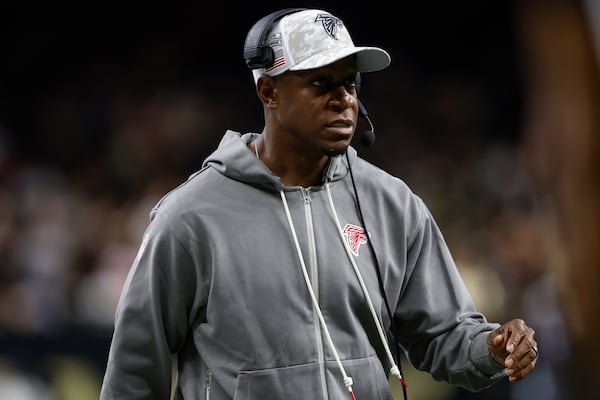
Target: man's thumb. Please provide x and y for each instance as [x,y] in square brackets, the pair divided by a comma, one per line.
[498,339]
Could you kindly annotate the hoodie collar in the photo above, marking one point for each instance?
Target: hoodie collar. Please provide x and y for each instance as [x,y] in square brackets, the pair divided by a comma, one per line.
[235,160]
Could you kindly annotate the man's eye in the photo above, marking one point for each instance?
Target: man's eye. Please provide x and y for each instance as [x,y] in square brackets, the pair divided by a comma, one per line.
[350,84]
[323,83]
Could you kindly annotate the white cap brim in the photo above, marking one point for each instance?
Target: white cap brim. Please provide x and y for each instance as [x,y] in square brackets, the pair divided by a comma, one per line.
[368,59]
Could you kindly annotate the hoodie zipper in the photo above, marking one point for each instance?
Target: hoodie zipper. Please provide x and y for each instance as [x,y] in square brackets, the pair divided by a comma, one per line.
[207,381]
[314,271]
[313,298]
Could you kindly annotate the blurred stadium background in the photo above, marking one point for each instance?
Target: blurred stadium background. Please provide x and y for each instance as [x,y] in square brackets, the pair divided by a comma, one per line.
[489,111]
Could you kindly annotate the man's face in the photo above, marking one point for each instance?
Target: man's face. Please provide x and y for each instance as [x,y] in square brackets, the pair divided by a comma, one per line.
[318,107]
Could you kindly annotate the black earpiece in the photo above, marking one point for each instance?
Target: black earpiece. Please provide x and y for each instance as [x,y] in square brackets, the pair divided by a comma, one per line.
[256,52]
[368,137]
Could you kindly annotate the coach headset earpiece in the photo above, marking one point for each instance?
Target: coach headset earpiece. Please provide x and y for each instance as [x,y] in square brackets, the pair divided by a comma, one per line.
[256,52]
[368,137]
[258,55]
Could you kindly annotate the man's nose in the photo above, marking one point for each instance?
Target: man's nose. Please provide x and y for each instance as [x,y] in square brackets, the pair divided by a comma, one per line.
[342,98]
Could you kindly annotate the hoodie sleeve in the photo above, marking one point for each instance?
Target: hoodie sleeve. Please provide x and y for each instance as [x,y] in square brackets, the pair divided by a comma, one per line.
[151,318]
[439,326]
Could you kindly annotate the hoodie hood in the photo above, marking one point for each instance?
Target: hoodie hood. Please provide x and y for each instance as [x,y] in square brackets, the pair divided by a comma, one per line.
[233,159]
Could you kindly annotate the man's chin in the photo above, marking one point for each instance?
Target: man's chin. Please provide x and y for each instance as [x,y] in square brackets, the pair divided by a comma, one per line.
[335,151]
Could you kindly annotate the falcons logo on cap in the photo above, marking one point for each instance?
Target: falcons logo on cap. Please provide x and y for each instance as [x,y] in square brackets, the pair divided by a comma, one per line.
[330,24]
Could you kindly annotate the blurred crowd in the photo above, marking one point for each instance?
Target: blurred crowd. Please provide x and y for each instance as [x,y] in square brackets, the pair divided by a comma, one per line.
[68,236]
[70,226]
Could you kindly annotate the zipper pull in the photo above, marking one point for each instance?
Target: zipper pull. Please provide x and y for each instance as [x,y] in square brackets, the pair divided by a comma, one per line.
[306,196]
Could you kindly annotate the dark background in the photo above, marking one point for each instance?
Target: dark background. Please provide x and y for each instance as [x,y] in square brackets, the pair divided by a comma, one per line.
[83,55]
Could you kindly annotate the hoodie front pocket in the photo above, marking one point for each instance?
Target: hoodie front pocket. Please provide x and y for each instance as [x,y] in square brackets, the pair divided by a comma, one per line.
[298,382]
[302,382]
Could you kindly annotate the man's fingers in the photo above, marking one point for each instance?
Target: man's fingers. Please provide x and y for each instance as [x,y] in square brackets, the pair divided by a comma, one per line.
[513,342]
[498,340]
[523,367]
[513,345]
[516,332]
[534,351]
[524,356]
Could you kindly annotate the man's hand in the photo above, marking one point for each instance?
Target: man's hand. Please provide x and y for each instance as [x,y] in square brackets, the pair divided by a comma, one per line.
[513,346]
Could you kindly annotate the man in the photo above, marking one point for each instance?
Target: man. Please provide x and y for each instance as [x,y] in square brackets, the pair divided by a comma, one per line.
[259,273]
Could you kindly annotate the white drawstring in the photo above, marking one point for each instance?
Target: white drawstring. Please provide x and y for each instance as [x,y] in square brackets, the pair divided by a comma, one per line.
[394,369]
[347,380]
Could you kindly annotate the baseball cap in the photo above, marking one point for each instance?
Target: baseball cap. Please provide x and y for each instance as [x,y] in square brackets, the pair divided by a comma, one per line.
[313,38]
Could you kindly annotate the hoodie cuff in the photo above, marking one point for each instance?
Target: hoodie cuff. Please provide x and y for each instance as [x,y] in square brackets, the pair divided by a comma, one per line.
[483,359]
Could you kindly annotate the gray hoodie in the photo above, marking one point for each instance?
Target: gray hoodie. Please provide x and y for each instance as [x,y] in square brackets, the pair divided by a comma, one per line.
[252,290]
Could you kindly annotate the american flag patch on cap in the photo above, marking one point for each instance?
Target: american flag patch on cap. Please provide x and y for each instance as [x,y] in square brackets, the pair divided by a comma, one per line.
[278,63]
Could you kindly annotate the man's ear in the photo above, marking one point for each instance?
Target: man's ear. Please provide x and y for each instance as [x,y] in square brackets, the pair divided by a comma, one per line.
[266,91]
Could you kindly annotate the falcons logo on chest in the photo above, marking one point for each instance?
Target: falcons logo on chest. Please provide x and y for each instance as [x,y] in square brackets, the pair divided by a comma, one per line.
[355,236]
